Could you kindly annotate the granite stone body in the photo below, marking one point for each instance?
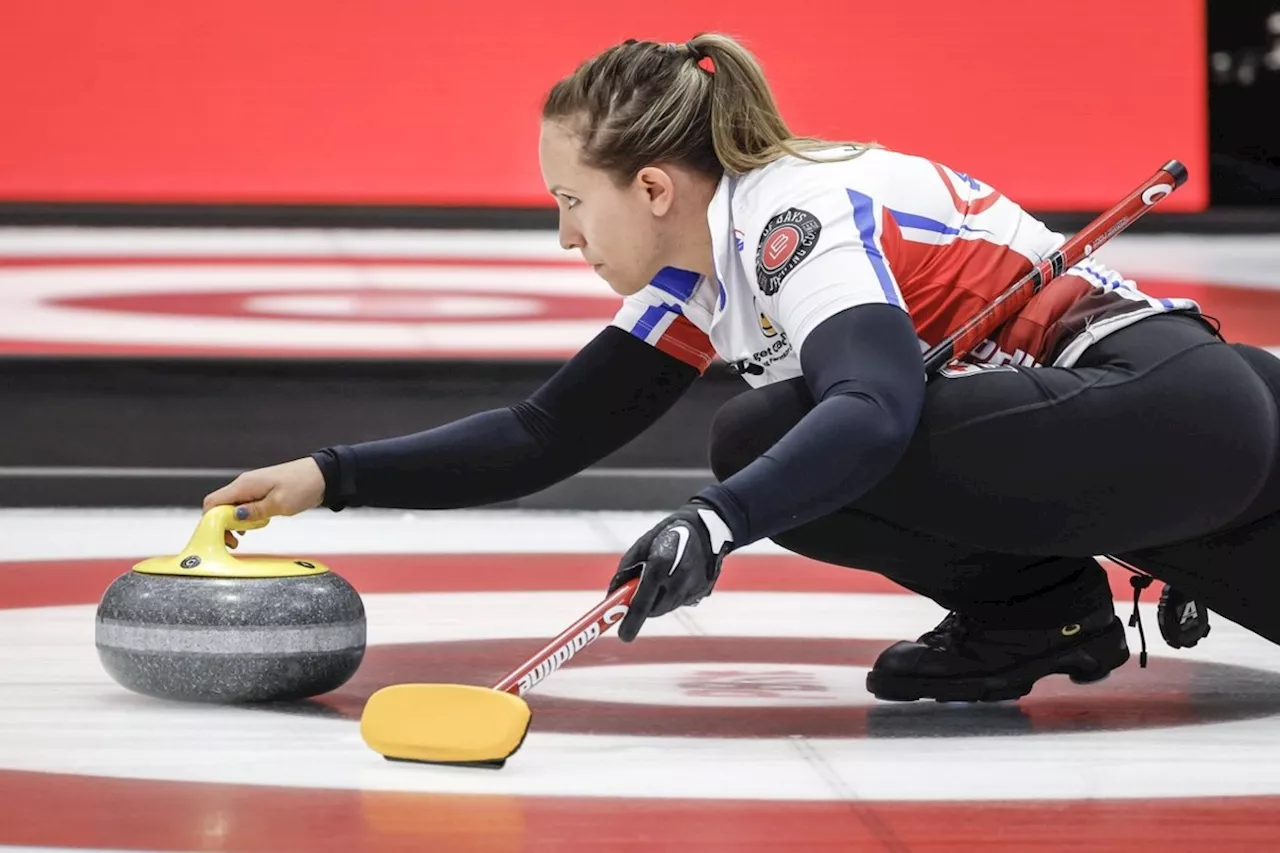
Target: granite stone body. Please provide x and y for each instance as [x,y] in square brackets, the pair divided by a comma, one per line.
[231,640]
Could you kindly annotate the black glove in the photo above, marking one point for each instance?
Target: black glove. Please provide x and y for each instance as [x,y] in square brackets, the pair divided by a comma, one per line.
[678,563]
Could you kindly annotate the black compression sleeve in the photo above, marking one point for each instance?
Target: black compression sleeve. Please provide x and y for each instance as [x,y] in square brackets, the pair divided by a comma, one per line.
[864,369]
[607,394]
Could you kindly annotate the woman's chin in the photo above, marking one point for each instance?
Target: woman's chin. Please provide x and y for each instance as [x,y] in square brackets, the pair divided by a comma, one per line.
[620,286]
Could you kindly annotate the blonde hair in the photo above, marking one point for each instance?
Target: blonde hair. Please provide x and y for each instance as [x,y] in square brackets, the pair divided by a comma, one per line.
[643,102]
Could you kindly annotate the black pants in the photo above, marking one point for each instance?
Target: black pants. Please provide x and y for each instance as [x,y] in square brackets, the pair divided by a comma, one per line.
[1159,447]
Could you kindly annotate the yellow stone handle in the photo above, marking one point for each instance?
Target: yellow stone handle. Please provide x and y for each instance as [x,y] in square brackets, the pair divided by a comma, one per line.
[210,536]
[207,555]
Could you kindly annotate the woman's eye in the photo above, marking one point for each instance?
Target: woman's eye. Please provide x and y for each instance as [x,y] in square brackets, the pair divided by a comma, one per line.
[570,202]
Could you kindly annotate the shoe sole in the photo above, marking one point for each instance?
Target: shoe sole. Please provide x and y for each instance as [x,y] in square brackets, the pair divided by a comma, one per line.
[1090,661]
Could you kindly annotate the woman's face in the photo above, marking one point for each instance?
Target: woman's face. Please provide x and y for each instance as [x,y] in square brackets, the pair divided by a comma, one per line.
[618,229]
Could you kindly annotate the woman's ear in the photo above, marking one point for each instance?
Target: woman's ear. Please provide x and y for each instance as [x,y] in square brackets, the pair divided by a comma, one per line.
[658,188]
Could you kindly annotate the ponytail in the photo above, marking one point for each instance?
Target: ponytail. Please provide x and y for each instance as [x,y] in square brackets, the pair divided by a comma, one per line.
[640,103]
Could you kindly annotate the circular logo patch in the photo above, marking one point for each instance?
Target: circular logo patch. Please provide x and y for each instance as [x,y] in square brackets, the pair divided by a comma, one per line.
[787,240]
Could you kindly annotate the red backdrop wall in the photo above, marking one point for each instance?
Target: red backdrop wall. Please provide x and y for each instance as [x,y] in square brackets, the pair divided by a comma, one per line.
[1063,104]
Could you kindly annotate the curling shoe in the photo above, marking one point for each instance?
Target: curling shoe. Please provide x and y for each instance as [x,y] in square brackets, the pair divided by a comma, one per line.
[963,660]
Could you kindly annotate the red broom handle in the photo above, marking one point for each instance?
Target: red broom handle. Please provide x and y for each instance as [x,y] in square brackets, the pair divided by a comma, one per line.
[591,627]
[1088,240]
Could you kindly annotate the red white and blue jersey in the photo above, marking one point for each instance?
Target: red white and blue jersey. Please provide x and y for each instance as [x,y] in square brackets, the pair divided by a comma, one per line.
[796,242]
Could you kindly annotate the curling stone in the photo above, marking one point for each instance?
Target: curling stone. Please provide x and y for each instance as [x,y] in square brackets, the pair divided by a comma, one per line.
[206,626]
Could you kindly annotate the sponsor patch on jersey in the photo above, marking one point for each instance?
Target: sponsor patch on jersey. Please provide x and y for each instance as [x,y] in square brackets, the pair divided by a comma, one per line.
[787,240]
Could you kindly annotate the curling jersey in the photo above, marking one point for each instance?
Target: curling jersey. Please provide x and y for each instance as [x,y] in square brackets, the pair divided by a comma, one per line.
[796,242]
